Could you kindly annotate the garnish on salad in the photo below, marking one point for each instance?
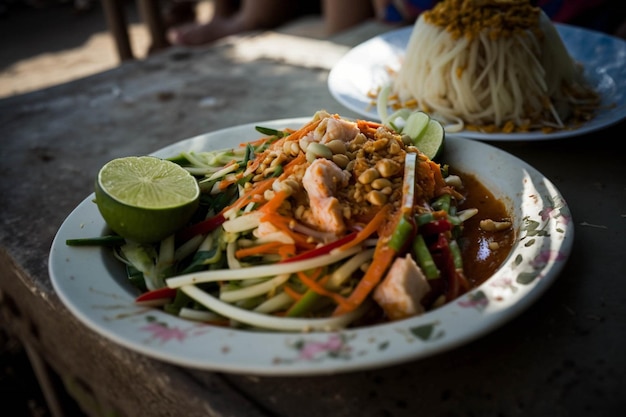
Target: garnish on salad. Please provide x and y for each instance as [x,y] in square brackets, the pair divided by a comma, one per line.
[339,223]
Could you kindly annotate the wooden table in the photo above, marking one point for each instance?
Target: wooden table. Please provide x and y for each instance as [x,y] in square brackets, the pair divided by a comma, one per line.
[562,357]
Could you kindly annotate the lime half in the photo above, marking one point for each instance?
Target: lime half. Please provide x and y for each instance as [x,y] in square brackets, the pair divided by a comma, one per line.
[427,134]
[430,141]
[145,199]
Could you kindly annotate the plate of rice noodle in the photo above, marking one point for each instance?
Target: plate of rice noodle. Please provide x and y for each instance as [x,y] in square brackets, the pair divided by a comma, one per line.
[488,70]
[321,245]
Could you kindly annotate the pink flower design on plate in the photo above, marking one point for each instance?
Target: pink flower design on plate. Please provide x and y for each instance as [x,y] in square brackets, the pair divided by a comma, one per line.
[164,333]
[556,210]
[541,260]
[334,346]
[477,300]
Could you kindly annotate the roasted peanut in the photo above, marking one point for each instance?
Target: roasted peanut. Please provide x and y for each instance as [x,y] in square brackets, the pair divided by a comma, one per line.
[368,176]
[376,198]
[387,167]
[380,183]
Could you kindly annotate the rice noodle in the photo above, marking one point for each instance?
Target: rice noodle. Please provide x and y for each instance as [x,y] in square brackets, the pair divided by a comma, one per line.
[484,80]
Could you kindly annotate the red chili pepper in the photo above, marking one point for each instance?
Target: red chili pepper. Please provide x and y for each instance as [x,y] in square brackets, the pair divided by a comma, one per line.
[449,271]
[440,244]
[157,294]
[203,227]
[322,250]
[435,227]
[455,280]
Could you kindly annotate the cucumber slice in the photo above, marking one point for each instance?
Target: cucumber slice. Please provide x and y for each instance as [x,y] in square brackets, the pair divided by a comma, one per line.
[416,125]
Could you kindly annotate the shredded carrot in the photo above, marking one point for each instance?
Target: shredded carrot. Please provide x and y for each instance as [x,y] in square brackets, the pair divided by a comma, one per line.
[368,128]
[258,189]
[383,257]
[265,248]
[288,168]
[282,224]
[440,214]
[254,164]
[261,186]
[293,136]
[257,142]
[292,293]
[369,230]
[319,288]
[273,205]
[317,272]
[381,261]
[296,135]
[225,183]
[369,124]
[257,198]
[271,215]
[287,251]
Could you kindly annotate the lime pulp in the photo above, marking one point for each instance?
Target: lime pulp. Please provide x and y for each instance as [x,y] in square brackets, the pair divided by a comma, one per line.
[145,199]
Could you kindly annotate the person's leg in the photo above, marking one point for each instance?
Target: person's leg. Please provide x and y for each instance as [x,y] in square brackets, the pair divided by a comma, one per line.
[252,15]
[198,33]
[225,8]
[179,12]
[266,14]
[343,14]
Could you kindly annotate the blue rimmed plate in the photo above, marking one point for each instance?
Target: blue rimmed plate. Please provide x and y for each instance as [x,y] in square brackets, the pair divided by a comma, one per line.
[366,67]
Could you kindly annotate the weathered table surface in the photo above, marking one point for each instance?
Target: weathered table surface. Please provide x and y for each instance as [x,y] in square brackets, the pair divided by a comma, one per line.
[562,357]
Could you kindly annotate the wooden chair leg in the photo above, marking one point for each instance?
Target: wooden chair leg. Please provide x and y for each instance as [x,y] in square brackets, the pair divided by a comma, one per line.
[118,26]
[152,16]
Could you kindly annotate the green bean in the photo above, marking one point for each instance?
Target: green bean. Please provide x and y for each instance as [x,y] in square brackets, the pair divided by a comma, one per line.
[455,220]
[278,170]
[248,155]
[401,234]
[443,203]
[424,259]
[179,159]
[136,278]
[270,132]
[109,240]
[456,254]
[304,304]
[180,300]
[424,218]
[203,258]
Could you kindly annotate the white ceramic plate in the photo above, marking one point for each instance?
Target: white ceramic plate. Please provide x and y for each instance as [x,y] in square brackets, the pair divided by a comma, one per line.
[365,67]
[92,283]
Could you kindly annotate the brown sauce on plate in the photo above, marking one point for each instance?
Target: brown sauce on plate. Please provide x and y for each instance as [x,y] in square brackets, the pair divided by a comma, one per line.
[483,252]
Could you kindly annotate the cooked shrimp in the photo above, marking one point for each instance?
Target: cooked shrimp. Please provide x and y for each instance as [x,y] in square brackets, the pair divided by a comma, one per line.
[331,129]
[321,181]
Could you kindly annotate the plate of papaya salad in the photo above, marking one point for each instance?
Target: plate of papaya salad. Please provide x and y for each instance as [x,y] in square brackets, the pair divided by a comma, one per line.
[314,245]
